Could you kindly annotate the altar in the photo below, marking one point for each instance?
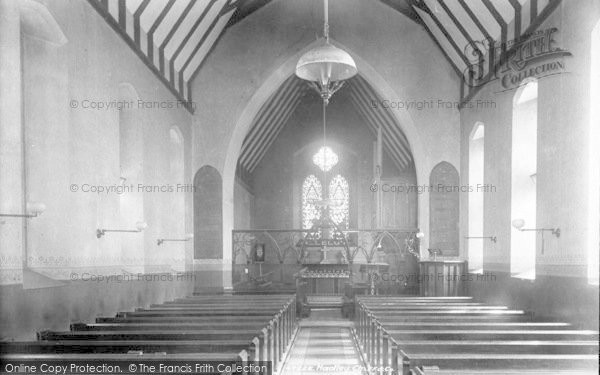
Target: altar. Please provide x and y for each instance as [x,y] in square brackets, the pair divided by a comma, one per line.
[324,279]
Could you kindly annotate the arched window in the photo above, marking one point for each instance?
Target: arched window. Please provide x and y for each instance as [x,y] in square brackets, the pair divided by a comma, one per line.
[523,182]
[594,161]
[476,168]
[339,197]
[312,191]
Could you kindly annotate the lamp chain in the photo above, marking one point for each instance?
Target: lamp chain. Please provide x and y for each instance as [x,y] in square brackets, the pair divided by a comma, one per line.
[326,20]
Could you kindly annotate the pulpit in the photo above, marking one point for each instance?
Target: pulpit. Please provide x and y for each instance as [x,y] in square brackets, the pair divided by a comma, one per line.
[443,278]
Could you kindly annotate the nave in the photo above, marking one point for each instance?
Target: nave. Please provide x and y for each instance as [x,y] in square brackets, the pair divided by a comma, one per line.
[397,186]
[388,335]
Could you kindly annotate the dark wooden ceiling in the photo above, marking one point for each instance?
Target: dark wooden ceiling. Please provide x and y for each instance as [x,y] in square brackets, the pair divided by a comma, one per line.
[174,37]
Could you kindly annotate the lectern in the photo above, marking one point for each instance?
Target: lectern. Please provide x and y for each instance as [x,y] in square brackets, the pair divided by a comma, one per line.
[374,271]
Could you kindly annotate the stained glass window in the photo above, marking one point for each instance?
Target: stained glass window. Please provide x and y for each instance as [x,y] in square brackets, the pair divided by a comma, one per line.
[312,192]
[339,198]
[325,158]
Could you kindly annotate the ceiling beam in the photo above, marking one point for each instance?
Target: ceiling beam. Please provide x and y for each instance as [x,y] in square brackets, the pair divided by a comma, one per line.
[244,9]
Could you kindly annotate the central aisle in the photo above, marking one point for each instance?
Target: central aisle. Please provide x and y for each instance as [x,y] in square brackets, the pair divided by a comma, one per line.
[324,350]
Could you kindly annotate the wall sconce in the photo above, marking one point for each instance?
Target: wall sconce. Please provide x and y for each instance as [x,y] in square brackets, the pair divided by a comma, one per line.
[188,237]
[518,224]
[140,226]
[533,178]
[491,238]
[33,209]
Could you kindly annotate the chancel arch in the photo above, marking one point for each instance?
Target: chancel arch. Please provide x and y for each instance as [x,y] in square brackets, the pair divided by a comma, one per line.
[262,96]
[311,183]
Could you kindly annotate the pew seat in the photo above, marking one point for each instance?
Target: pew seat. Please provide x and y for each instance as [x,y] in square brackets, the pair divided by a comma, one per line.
[506,347]
[184,319]
[403,335]
[223,334]
[164,325]
[474,361]
[196,313]
[491,325]
[127,357]
[436,371]
[123,346]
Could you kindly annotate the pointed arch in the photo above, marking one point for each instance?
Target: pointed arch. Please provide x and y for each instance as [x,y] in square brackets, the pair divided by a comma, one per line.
[261,96]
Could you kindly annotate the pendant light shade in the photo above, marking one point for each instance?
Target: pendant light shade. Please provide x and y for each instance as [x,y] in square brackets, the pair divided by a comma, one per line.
[326,64]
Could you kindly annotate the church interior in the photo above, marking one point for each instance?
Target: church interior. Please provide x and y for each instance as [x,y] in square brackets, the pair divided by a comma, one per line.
[299,186]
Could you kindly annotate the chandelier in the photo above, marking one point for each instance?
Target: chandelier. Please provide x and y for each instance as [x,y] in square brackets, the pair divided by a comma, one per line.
[326,66]
[325,159]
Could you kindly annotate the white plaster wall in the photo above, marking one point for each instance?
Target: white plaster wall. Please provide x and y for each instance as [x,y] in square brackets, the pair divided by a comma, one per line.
[74,146]
[563,125]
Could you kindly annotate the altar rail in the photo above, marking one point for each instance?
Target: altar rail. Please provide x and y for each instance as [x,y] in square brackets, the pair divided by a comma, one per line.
[286,252]
[289,245]
[443,278]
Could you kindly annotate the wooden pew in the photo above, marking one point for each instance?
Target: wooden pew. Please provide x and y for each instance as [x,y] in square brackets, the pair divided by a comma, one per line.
[411,341]
[453,312]
[214,327]
[465,362]
[491,324]
[418,347]
[434,370]
[195,313]
[275,307]
[406,335]
[127,357]
[414,298]
[124,346]
[404,307]
[185,319]
[257,325]
[161,334]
